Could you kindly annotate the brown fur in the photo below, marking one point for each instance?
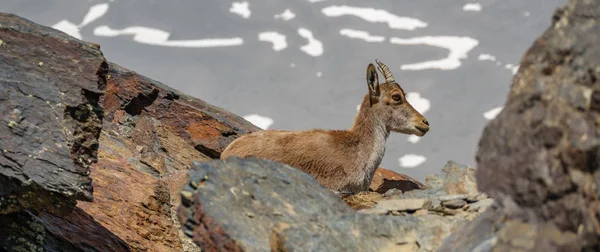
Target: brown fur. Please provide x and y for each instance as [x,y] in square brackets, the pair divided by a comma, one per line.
[343,161]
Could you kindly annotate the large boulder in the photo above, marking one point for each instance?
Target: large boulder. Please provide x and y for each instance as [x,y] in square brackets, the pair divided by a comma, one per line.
[248,204]
[70,121]
[50,116]
[540,157]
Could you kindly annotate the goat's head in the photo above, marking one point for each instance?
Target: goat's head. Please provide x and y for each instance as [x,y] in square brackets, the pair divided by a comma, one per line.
[388,102]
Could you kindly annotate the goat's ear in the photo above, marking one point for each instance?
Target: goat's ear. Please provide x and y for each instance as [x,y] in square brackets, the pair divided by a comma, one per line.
[372,81]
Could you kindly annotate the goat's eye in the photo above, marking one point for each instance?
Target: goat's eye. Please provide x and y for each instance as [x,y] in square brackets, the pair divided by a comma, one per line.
[396,97]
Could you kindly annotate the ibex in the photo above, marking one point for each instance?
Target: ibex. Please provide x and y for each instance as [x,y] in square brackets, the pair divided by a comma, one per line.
[343,161]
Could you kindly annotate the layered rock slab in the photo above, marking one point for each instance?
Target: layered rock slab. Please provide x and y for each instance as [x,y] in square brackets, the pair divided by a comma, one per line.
[72,119]
[50,116]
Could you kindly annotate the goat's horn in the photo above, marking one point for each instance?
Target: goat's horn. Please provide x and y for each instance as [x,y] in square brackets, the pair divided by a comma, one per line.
[385,71]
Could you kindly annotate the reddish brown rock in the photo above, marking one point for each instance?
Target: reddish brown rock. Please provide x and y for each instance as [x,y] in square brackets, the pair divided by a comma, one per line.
[146,138]
[384,180]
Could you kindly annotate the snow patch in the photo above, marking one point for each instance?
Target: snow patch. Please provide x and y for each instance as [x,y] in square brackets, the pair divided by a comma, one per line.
[152,36]
[413,138]
[277,39]
[67,27]
[286,15]
[375,16]
[241,8]
[314,47]
[411,160]
[472,7]
[419,103]
[492,113]
[95,12]
[512,67]
[357,34]
[262,122]
[458,47]
[486,57]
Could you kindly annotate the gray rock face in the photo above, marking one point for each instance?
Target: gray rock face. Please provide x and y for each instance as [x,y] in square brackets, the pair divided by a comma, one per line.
[50,118]
[280,208]
[539,159]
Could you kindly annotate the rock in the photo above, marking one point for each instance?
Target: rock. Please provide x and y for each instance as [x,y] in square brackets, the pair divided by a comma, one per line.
[280,208]
[454,203]
[539,157]
[459,179]
[131,137]
[384,180]
[480,205]
[392,192]
[386,206]
[23,231]
[50,88]
[137,192]
[453,197]
[363,200]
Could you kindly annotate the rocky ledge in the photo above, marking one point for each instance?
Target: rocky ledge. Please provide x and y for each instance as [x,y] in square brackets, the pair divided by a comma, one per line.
[258,205]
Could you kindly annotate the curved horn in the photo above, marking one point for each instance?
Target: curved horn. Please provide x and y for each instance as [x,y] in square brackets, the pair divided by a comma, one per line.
[389,78]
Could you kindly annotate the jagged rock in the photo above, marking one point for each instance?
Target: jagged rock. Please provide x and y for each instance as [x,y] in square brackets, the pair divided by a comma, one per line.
[539,159]
[455,178]
[280,208]
[384,180]
[50,87]
[144,133]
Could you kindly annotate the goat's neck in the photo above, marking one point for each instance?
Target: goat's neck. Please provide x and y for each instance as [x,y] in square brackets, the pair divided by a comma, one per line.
[372,135]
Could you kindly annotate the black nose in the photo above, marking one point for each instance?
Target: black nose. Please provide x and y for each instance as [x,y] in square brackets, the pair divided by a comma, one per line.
[426,122]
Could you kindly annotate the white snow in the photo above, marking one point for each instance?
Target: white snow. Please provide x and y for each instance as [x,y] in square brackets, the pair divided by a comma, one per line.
[419,103]
[262,122]
[413,138]
[241,8]
[411,160]
[95,12]
[458,48]
[492,113]
[486,57]
[152,36]
[277,39]
[374,16]
[286,15]
[472,7]
[67,27]
[363,35]
[314,47]
[512,67]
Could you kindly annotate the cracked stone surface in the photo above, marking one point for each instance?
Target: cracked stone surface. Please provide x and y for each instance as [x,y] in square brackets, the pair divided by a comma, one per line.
[71,120]
[50,116]
[539,157]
